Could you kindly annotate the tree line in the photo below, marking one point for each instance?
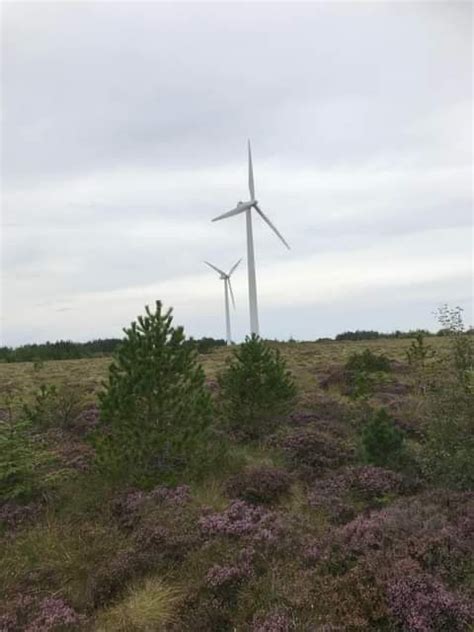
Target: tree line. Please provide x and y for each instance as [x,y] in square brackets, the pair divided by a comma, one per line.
[69,350]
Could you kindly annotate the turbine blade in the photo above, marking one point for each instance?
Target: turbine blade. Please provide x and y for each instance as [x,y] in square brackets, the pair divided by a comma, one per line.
[234,211]
[275,230]
[233,267]
[215,268]
[231,292]
[251,181]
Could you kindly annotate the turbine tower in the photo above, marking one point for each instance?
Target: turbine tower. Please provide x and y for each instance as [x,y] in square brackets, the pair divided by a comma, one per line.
[227,289]
[247,208]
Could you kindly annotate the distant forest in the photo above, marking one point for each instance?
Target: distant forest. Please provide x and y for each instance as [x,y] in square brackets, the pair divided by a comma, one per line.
[68,350]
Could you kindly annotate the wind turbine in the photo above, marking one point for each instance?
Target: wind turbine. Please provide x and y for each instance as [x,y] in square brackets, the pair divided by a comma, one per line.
[227,289]
[246,207]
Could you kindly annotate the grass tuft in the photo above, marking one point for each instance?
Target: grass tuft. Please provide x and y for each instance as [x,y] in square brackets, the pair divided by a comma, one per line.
[147,606]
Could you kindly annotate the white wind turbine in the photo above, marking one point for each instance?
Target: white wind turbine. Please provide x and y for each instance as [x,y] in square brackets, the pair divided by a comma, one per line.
[227,289]
[247,208]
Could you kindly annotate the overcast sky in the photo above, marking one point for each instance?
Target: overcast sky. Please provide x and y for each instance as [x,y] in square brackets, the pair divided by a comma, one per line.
[124,133]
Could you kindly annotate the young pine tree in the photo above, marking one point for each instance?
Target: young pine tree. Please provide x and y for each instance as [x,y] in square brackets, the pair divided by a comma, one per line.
[22,459]
[255,388]
[155,411]
[383,442]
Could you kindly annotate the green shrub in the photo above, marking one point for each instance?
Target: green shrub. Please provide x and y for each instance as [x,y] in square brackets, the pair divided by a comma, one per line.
[364,371]
[418,352]
[448,453]
[17,461]
[461,344]
[55,406]
[22,457]
[42,411]
[382,441]
[155,411]
[255,388]
[368,361]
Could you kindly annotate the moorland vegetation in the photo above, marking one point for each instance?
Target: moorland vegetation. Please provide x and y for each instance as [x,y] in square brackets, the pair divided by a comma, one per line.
[267,487]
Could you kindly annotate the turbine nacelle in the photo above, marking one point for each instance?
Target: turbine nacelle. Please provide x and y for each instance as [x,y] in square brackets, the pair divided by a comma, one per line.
[243,206]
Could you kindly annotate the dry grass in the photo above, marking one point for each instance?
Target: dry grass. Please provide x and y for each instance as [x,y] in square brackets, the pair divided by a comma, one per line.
[147,607]
[307,361]
[60,555]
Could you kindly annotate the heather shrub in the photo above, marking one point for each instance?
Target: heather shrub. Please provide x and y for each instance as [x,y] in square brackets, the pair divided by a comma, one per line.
[352,600]
[383,442]
[130,505]
[170,538]
[163,523]
[87,420]
[255,389]
[259,484]
[434,531]
[348,491]
[155,410]
[312,451]
[224,580]
[149,605]
[29,614]
[421,603]
[255,524]
[202,612]
[272,622]
[14,514]
[54,614]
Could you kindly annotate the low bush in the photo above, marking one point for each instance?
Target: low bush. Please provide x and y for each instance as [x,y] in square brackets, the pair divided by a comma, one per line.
[312,451]
[25,462]
[255,524]
[448,453]
[418,352]
[419,602]
[364,371]
[272,622]
[225,580]
[51,614]
[259,484]
[55,406]
[433,530]
[367,361]
[255,389]
[352,489]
